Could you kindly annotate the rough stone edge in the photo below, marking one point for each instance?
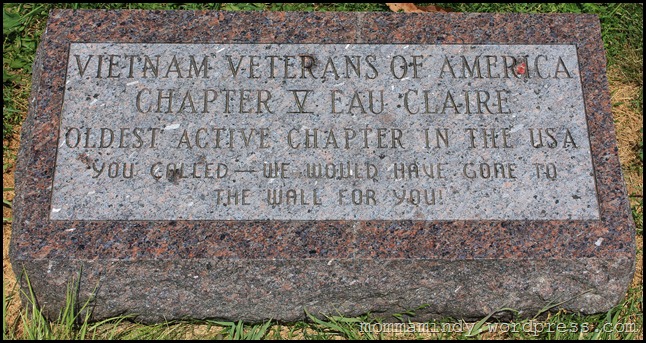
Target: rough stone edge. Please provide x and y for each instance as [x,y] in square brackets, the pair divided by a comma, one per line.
[466,289]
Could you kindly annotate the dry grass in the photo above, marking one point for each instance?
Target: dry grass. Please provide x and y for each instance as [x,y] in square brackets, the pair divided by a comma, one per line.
[8,275]
[628,123]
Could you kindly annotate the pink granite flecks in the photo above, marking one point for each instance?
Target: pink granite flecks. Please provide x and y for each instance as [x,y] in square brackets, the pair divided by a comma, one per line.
[255,270]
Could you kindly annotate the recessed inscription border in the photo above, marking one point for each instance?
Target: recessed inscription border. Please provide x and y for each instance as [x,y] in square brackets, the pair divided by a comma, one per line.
[354,107]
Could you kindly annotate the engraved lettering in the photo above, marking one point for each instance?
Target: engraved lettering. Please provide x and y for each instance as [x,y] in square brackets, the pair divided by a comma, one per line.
[113,63]
[277,131]
[234,69]
[300,103]
[78,64]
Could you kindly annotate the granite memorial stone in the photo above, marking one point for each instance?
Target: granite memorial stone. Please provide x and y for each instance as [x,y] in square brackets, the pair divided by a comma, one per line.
[250,166]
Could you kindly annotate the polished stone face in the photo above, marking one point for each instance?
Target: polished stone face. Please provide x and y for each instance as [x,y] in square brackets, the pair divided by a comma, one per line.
[323,132]
[458,163]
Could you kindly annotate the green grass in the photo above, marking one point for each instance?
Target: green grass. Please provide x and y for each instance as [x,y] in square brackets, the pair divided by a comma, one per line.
[622,33]
[21,29]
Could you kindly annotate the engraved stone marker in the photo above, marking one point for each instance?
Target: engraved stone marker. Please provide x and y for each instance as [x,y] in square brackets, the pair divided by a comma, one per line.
[253,165]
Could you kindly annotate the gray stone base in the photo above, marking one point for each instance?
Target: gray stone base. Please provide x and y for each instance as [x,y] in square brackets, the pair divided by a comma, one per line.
[258,290]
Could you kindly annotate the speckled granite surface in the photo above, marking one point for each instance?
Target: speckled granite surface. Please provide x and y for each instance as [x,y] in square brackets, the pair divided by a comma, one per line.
[364,145]
[256,270]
